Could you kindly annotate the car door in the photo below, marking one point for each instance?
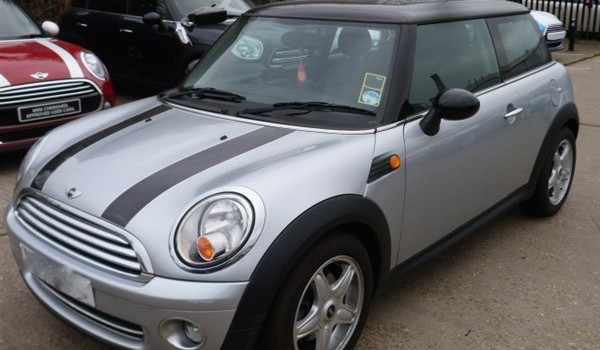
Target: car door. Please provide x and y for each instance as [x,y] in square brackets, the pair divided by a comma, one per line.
[153,52]
[94,24]
[469,165]
[525,65]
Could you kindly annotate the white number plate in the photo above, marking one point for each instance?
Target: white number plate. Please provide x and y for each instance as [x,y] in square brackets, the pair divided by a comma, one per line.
[58,276]
[47,111]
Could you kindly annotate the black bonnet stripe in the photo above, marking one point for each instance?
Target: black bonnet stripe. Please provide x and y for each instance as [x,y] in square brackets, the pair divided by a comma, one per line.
[130,202]
[41,178]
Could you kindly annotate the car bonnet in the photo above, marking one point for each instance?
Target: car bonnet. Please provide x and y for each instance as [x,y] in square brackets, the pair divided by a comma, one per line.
[36,60]
[119,169]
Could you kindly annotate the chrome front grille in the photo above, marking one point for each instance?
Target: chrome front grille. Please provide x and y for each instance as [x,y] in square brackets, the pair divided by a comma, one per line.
[45,91]
[114,324]
[68,230]
[555,28]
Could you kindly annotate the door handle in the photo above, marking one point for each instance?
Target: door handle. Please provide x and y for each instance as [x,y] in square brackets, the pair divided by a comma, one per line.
[513,113]
[129,31]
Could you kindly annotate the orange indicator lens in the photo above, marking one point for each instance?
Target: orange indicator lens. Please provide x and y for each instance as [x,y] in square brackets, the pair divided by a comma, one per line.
[395,161]
[205,248]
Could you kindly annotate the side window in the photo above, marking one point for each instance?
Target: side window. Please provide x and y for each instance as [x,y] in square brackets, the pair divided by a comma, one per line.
[519,44]
[451,55]
[141,7]
[115,6]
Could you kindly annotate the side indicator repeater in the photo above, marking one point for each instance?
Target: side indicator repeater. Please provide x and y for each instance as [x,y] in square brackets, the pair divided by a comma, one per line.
[395,161]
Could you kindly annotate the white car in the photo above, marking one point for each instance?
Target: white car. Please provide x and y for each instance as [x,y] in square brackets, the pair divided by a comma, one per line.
[552,28]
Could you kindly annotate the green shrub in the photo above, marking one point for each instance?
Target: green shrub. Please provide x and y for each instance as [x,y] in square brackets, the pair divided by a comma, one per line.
[45,9]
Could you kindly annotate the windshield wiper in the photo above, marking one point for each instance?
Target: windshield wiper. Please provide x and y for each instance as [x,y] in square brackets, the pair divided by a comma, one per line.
[206,92]
[308,106]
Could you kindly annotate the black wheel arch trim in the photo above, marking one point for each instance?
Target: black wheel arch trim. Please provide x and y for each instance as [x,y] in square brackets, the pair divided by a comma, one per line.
[340,212]
[567,116]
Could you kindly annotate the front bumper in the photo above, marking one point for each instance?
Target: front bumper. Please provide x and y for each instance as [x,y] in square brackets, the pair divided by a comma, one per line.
[125,313]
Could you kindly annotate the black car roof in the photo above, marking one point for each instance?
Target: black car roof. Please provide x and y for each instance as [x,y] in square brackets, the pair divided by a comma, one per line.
[390,11]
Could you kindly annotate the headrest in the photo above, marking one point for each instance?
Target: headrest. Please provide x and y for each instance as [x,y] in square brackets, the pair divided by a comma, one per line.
[354,41]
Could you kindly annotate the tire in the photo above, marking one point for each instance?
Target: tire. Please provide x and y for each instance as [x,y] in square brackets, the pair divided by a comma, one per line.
[324,302]
[554,183]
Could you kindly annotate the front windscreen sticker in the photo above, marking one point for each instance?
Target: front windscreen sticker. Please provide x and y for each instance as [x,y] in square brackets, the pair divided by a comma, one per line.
[372,89]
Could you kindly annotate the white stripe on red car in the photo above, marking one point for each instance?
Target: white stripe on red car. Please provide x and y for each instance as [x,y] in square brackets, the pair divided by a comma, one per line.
[70,61]
[3,81]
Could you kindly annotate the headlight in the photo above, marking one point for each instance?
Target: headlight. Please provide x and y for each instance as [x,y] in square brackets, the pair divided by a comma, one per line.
[94,65]
[214,230]
[248,48]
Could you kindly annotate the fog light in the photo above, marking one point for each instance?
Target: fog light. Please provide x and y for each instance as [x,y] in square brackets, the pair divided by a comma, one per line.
[183,334]
[194,332]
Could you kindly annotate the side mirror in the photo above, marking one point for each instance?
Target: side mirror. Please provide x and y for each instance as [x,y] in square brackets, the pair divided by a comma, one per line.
[50,28]
[452,104]
[207,15]
[153,18]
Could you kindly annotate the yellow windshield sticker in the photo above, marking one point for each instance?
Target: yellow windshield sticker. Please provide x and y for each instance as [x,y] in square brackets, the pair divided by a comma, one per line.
[372,89]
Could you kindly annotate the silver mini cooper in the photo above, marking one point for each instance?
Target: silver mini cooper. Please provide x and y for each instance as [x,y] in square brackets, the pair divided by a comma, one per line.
[316,148]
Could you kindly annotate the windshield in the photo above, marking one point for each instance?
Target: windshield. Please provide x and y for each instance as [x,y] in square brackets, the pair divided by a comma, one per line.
[323,74]
[233,7]
[15,23]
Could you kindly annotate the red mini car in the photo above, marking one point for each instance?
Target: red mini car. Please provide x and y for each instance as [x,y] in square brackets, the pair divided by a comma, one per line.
[44,82]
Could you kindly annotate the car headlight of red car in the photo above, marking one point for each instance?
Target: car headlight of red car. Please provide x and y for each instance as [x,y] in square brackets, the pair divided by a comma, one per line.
[214,230]
[93,64]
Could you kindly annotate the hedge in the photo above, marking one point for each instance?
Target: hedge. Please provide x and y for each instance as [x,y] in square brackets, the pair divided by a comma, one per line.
[44,10]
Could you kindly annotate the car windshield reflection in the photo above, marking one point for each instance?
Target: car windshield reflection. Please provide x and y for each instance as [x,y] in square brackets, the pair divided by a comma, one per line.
[274,61]
[16,24]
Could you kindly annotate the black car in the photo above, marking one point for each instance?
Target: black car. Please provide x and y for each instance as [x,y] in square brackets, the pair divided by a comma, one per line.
[147,42]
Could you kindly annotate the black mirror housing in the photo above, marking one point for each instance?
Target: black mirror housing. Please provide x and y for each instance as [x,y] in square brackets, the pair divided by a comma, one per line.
[457,104]
[452,104]
[208,15]
[152,18]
